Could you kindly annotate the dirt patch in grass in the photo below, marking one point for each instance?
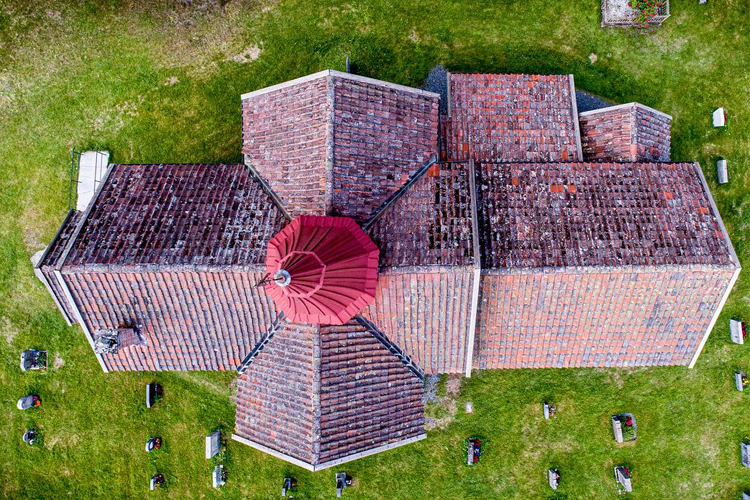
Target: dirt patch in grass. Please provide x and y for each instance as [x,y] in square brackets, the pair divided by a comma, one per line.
[7,330]
[443,409]
[58,362]
[248,55]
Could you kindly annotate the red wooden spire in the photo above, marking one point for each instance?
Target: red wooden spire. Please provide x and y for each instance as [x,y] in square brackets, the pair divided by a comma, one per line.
[324,269]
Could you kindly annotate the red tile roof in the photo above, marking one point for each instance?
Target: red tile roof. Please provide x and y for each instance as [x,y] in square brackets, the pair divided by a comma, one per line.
[338,144]
[427,314]
[192,320]
[430,223]
[163,215]
[630,132]
[511,118]
[596,214]
[325,393]
[597,316]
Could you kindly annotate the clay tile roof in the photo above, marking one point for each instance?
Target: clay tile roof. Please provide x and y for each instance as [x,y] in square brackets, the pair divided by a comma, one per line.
[628,132]
[320,394]
[511,118]
[338,144]
[162,215]
[596,214]
[430,223]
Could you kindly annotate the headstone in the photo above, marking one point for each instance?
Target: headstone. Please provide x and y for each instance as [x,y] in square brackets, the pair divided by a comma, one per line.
[553,475]
[219,477]
[624,427]
[622,476]
[342,481]
[474,451]
[30,436]
[213,442]
[701,2]
[737,331]
[745,450]
[722,173]
[290,484]
[156,481]
[719,117]
[28,401]
[745,495]
[739,380]
[153,443]
[469,407]
[31,359]
[154,393]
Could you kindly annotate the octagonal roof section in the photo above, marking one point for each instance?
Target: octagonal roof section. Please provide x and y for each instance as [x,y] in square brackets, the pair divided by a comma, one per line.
[334,143]
[322,270]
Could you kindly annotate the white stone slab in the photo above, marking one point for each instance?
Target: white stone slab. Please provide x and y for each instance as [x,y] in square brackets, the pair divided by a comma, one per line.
[91,169]
[213,442]
[722,172]
[218,479]
[719,118]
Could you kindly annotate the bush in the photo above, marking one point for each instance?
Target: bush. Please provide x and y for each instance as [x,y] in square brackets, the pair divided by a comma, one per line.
[647,9]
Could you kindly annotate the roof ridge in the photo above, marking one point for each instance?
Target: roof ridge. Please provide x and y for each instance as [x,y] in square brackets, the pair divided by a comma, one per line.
[381,210]
[392,347]
[277,324]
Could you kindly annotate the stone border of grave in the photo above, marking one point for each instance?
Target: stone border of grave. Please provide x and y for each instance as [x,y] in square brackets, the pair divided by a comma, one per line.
[618,13]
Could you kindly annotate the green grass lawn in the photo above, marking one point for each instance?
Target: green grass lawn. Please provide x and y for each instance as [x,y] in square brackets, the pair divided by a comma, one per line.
[160,82]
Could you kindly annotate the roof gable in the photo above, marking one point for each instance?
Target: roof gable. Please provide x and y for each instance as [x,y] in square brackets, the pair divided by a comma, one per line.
[338,144]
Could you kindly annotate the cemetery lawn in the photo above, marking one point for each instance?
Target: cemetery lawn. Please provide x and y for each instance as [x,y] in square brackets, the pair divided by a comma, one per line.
[157,85]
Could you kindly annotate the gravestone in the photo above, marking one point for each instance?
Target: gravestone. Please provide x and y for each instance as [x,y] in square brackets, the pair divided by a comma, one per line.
[737,331]
[553,476]
[620,428]
[28,401]
[30,436]
[154,393]
[719,117]
[342,481]
[722,172]
[740,379]
[290,484]
[213,443]
[622,476]
[219,477]
[153,443]
[31,359]
[745,450]
[156,481]
[474,451]
[469,407]
[745,495]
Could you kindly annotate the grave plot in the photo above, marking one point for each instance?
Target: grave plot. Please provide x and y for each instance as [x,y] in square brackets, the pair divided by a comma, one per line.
[157,480]
[474,451]
[32,359]
[619,13]
[29,401]
[740,381]
[549,410]
[219,476]
[622,478]
[745,452]
[722,171]
[343,480]
[289,487]
[153,443]
[213,444]
[553,476]
[154,394]
[737,331]
[624,427]
[719,118]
